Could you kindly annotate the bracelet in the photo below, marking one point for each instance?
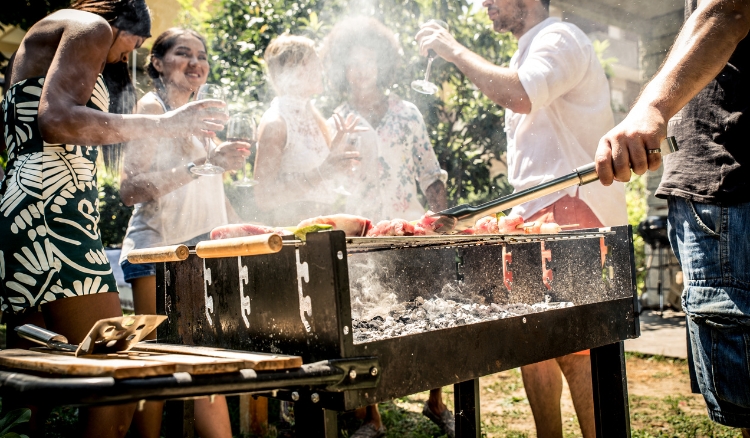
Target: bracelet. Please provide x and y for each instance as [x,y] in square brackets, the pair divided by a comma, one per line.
[190,166]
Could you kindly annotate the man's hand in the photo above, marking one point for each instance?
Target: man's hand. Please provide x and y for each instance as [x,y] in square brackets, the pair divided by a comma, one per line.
[625,146]
[432,36]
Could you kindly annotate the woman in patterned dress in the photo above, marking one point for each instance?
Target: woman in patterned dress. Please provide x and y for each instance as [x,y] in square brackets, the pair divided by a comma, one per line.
[296,155]
[54,112]
[361,57]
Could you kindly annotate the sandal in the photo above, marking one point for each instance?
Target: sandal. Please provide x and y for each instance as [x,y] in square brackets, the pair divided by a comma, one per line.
[446,421]
[368,431]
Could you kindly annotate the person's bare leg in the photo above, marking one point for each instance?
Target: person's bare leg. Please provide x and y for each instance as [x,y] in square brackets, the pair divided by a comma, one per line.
[543,384]
[144,298]
[73,318]
[212,419]
[373,417]
[435,402]
[577,371]
[35,426]
[146,422]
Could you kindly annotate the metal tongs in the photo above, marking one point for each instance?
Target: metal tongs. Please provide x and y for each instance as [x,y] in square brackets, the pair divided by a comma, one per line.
[461,217]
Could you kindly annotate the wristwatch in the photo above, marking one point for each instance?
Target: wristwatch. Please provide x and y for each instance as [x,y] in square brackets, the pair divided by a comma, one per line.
[190,166]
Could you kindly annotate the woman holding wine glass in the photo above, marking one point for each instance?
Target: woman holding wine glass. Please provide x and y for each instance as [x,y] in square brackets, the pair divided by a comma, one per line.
[174,204]
[297,160]
[362,57]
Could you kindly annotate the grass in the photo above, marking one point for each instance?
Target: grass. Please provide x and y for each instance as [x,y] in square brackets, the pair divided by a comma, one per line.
[506,412]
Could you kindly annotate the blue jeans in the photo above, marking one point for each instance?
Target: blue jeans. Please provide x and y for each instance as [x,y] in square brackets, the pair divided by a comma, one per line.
[713,246]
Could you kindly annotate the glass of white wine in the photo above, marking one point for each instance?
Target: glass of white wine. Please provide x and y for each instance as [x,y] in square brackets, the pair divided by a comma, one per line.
[424,86]
[209,91]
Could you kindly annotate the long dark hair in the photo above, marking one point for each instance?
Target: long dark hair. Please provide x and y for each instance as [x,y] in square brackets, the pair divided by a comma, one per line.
[162,45]
[131,16]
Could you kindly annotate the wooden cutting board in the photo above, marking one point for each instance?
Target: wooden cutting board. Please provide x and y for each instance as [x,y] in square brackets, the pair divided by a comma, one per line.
[252,360]
[82,366]
[183,362]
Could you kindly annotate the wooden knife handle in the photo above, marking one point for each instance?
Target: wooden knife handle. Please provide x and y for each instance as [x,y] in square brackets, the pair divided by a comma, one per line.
[239,246]
[174,253]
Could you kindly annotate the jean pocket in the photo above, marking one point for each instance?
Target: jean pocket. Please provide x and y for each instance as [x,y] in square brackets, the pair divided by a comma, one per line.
[707,217]
[731,370]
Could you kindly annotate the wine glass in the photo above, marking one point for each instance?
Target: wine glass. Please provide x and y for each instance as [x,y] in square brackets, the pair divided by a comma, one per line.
[425,86]
[209,91]
[352,151]
[241,127]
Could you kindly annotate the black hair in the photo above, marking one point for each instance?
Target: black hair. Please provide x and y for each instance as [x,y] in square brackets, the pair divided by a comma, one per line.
[131,16]
[353,34]
[545,3]
[166,41]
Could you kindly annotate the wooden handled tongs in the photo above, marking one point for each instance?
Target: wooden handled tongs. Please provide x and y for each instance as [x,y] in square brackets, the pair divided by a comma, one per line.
[461,217]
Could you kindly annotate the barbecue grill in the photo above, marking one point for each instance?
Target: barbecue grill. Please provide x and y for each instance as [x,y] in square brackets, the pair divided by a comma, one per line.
[575,289]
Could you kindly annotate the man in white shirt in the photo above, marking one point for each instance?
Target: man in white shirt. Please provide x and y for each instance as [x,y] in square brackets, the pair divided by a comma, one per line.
[557,107]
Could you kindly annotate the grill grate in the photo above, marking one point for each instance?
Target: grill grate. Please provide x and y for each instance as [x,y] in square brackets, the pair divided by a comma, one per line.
[364,244]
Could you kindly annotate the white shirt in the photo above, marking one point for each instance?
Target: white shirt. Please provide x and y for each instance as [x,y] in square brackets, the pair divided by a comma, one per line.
[570,112]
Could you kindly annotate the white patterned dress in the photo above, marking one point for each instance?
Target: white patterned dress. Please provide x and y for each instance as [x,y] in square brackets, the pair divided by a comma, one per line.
[50,244]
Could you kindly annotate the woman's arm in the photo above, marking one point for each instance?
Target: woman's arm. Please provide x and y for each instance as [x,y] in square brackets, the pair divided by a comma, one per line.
[138,184]
[271,143]
[69,83]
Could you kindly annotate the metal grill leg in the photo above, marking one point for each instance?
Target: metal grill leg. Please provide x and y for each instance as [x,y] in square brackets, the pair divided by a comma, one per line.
[466,395]
[611,408]
[313,422]
[180,418]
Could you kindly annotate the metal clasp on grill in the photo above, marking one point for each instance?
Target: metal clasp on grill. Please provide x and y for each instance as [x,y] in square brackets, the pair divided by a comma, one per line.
[305,304]
[208,298]
[244,300]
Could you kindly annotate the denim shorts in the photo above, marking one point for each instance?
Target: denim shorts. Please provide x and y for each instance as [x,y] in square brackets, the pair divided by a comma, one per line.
[712,244]
[132,271]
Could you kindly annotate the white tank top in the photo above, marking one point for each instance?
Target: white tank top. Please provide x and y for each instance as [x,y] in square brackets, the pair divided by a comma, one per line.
[306,147]
[183,214]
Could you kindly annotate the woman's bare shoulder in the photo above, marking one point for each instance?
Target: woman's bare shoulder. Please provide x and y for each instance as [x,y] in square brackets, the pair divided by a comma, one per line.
[272,120]
[149,104]
[78,19]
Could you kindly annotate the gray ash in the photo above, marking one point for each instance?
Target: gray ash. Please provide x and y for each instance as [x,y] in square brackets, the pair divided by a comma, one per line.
[436,313]
[377,313]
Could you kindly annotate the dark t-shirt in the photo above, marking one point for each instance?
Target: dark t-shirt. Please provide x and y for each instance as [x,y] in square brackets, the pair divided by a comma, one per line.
[713,134]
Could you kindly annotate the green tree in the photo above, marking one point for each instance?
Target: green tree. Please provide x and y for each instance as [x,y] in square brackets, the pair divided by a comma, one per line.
[465,127]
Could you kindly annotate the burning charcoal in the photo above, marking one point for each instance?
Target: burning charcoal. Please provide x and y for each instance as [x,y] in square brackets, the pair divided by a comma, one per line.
[419,301]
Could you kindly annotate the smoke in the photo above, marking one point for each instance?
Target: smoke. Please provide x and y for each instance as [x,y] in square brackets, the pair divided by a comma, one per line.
[369,298]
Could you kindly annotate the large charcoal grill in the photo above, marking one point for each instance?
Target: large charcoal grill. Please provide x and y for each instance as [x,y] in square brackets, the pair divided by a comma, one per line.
[297,302]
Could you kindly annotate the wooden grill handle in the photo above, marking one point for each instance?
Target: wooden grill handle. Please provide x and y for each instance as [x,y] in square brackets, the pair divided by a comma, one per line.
[173,253]
[239,246]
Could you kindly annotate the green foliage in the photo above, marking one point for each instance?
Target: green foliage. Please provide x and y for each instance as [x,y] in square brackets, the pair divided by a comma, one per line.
[465,127]
[113,214]
[635,196]
[599,48]
[11,420]
[24,13]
